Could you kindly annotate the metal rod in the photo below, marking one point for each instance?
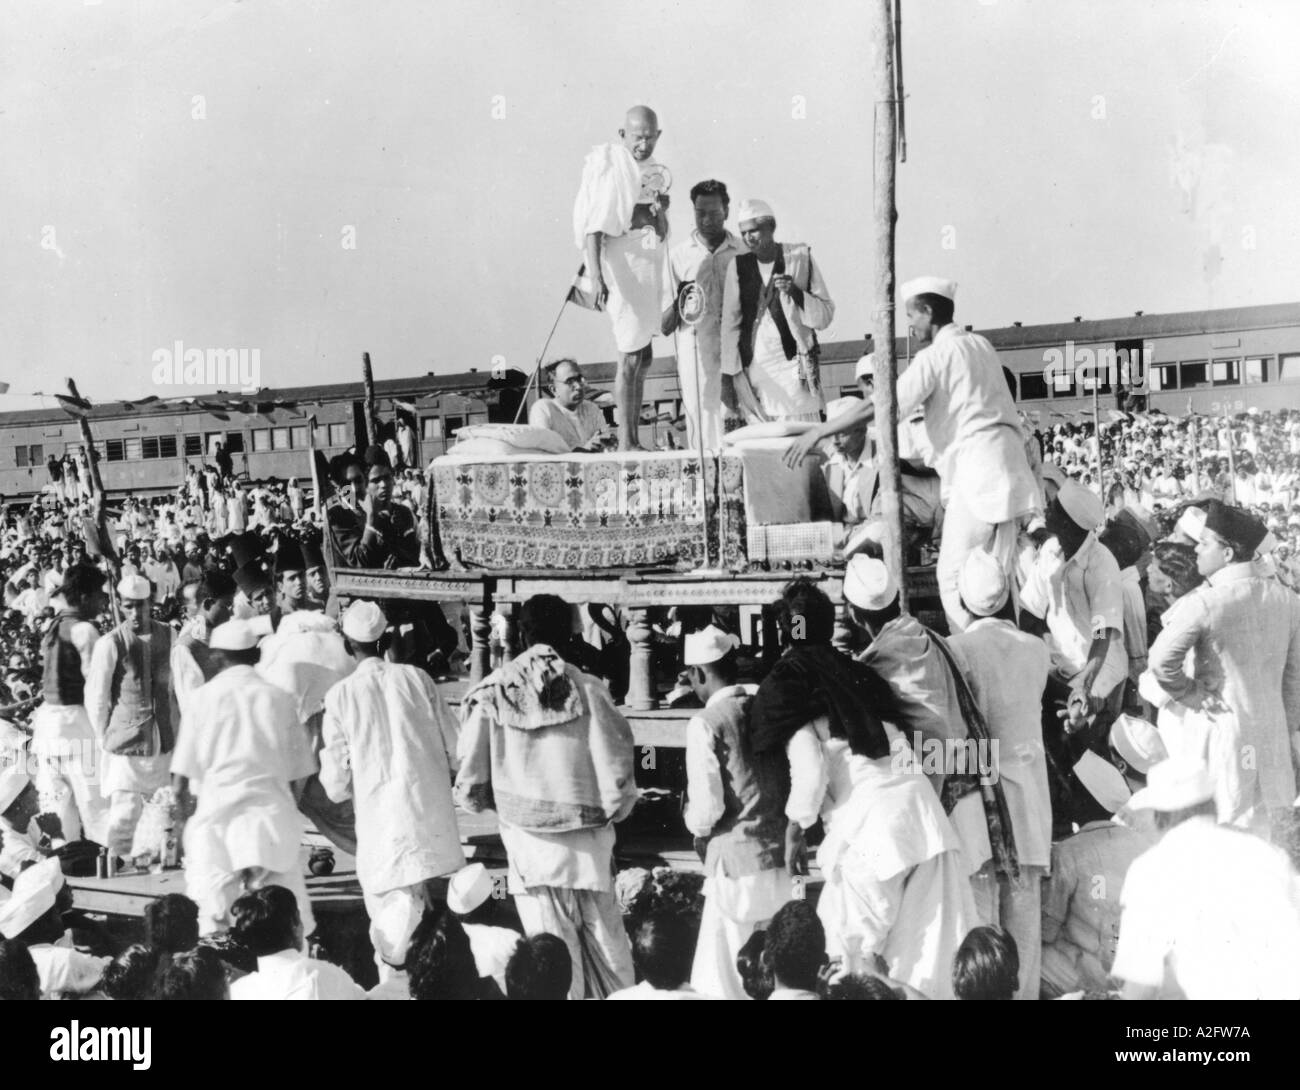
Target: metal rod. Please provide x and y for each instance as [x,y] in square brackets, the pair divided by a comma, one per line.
[535,377]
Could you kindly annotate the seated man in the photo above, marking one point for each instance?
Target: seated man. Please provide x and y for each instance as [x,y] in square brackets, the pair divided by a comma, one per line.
[850,479]
[567,412]
[367,529]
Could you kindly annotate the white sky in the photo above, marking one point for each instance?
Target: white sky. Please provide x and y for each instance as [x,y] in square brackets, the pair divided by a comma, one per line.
[1086,158]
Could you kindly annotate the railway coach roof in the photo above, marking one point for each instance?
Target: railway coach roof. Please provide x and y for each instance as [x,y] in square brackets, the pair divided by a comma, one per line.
[467,383]
[463,384]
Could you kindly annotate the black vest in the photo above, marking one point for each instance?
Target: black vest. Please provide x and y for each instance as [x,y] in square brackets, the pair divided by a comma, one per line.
[62,682]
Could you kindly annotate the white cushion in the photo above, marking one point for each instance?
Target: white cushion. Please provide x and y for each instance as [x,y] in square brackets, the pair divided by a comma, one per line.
[770,429]
[509,439]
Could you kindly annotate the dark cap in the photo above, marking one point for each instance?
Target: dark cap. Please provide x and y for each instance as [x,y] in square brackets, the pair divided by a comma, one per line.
[377,456]
[1239,528]
[288,556]
[312,556]
[247,547]
[252,576]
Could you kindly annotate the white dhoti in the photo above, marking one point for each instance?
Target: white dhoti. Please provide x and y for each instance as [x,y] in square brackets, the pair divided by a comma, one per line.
[128,782]
[68,768]
[591,926]
[381,908]
[734,908]
[700,381]
[963,532]
[632,266]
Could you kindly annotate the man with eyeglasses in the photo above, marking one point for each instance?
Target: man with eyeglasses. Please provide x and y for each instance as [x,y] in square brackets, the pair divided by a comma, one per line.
[567,412]
[367,528]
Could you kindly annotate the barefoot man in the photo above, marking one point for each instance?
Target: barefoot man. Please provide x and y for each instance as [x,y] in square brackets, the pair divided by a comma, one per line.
[620,221]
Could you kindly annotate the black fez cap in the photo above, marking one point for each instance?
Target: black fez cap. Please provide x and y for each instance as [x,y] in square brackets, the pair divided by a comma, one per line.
[288,556]
[252,576]
[247,547]
[312,556]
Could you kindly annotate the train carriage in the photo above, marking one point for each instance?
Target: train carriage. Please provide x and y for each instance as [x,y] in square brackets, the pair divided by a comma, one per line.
[1215,361]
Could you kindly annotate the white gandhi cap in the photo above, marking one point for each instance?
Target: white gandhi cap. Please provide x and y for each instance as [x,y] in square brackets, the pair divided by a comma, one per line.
[929,285]
[868,583]
[708,645]
[364,622]
[1103,781]
[469,887]
[754,210]
[134,587]
[233,636]
[982,583]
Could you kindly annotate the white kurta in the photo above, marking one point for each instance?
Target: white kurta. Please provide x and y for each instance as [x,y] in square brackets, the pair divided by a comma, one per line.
[243,744]
[699,346]
[390,745]
[972,423]
[1007,672]
[290,974]
[896,878]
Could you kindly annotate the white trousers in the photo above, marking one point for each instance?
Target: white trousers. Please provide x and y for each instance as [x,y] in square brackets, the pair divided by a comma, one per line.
[124,810]
[963,532]
[69,788]
[734,908]
[389,912]
[700,381]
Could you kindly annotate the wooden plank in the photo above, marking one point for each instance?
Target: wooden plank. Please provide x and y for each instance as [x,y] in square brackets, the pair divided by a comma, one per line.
[422,586]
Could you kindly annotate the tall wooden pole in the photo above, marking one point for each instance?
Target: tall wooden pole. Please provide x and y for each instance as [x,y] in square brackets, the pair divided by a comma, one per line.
[885,135]
[368,388]
[1096,432]
[97,501]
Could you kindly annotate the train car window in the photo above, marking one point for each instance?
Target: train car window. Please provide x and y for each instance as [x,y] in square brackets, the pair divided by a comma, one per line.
[1163,376]
[20,457]
[132,447]
[235,442]
[453,423]
[166,446]
[1288,368]
[1033,387]
[431,427]
[149,446]
[194,445]
[1254,371]
[1062,384]
[279,438]
[1192,374]
[298,437]
[261,440]
[1225,372]
[113,451]
[339,435]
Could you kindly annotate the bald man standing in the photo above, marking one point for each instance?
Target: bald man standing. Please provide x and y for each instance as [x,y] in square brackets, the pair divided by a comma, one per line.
[620,222]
